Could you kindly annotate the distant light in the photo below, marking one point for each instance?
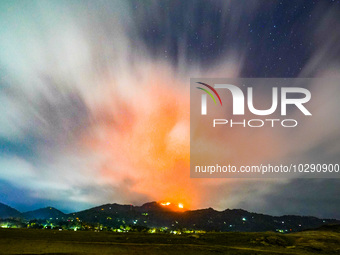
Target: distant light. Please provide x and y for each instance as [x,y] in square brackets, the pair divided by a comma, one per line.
[180,205]
[244,219]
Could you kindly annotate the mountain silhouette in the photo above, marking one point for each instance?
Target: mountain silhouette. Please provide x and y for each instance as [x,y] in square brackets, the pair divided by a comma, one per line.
[154,214]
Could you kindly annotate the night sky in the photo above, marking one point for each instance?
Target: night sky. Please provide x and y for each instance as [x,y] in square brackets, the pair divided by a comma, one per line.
[95,99]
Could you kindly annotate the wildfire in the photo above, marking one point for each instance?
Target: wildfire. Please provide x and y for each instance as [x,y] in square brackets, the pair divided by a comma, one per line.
[173,206]
[165,203]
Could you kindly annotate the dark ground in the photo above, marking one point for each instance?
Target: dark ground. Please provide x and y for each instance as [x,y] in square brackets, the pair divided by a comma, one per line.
[29,241]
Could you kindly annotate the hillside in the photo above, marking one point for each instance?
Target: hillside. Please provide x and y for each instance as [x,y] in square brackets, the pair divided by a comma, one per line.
[44,214]
[8,212]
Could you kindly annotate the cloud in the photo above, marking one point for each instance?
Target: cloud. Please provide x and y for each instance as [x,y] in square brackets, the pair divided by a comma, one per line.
[95,101]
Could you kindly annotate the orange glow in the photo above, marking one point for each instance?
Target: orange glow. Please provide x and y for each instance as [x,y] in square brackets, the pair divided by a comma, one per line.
[180,206]
[142,140]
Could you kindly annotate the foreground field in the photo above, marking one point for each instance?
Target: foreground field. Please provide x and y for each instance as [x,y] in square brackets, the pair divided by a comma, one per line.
[27,241]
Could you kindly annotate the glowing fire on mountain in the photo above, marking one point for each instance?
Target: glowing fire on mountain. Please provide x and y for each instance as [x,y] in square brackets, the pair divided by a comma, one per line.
[166,203]
[173,206]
